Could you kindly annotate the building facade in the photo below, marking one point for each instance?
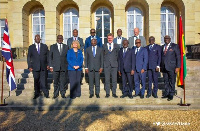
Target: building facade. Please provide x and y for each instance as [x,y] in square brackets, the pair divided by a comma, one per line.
[50,18]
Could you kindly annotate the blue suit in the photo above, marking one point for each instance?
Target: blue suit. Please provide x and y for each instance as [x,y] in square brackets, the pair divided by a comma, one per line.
[141,61]
[125,67]
[74,74]
[154,59]
[88,42]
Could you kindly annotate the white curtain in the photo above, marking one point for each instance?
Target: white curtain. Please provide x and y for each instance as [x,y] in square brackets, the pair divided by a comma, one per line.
[2,25]
[135,19]
[167,24]
[38,24]
[71,20]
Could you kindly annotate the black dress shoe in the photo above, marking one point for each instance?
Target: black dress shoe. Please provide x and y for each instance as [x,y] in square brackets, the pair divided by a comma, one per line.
[63,96]
[163,97]
[72,97]
[130,96]
[47,96]
[55,96]
[36,96]
[142,96]
[147,96]
[155,96]
[136,95]
[115,96]
[169,99]
[97,96]
[91,96]
[107,95]
[123,96]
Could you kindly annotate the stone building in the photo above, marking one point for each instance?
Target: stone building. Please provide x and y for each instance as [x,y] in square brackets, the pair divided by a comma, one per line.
[50,18]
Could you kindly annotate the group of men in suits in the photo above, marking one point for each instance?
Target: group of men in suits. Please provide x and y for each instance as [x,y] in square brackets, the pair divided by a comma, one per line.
[131,59]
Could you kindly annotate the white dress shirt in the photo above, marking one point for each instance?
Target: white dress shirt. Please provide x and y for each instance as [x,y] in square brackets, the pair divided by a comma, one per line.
[75,38]
[36,45]
[112,46]
[59,46]
[167,46]
[125,49]
[119,40]
[93,37]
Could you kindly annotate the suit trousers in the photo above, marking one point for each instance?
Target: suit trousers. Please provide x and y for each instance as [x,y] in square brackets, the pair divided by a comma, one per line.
[113,72]
[138,76]
[59,82]
[127,87]
[94,75]
[40,82]
[153,77]
[75,86]
[169,81]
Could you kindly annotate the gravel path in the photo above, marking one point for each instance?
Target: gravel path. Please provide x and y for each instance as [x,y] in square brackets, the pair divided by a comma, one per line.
[102,121]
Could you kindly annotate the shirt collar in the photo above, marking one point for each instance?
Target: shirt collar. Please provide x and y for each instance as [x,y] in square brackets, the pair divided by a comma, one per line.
[37,43]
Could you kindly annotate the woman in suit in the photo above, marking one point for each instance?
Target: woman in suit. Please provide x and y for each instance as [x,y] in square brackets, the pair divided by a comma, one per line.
[75,62]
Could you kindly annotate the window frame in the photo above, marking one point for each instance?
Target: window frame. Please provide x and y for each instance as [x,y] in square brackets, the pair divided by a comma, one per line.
[134,14]
[71,27]
[2,27]
[102,14]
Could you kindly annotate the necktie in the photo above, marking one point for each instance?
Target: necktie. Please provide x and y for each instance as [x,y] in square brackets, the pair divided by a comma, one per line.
[137,51]
[124,53]
[109,47]
[60,48]
[94,51]
[165,51]
[75,38]
[38,48]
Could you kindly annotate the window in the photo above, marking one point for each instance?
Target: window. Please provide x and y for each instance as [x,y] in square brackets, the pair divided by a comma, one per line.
[2,25]
[103,23]
[38,24]
[135,19]
[167,23]
[71,22]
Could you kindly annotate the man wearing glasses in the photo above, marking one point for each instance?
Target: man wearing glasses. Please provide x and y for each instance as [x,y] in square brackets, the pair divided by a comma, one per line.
[93,36]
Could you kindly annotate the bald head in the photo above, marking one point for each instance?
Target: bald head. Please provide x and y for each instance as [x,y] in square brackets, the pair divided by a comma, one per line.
[136,31]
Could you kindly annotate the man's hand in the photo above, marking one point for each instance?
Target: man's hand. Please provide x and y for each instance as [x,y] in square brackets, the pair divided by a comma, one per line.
[51,69]
[157,69]
[30,69]
[119,73]
[142,71]
[86,71]
[132,72]
[100,70]
[177,70]
[48,67]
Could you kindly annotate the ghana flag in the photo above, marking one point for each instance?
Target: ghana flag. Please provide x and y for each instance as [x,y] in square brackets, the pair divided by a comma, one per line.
[183,70]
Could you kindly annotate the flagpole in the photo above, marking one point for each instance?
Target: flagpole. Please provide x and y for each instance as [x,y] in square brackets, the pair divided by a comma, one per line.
[2,103]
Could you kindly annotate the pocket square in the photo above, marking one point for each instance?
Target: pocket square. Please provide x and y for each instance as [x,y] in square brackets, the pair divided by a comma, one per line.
[170,50]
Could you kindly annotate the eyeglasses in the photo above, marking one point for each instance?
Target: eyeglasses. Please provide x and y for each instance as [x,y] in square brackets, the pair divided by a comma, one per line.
[137,42]
[92,32]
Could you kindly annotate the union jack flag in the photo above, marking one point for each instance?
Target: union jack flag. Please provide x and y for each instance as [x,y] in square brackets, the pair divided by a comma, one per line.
[7,54]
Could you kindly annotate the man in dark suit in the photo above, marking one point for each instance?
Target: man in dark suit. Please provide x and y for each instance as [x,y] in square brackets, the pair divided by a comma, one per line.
[170,65]
[125,69]
[37,60]
[94,67]
[140,55]
[58,65]
[136,36]
[110,51]
[93,36]
[154,54]
[119,39]
[75,37]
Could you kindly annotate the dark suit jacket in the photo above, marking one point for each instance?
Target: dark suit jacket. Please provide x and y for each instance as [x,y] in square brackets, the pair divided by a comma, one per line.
[36,61]
[172,59]
[115,41]
[57,61]
[73,60]
[110,58]
[70,40]
[125,63]
[154,56]
[88,42]
[91,62]
[141,59]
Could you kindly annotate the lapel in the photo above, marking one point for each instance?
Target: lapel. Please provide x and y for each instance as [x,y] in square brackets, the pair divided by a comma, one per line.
[139,51]
[106,48]
[34,49]
[56,49]
[63,49]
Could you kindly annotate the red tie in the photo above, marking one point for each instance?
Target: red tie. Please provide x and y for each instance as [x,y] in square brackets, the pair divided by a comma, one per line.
[75,38]
[165,51]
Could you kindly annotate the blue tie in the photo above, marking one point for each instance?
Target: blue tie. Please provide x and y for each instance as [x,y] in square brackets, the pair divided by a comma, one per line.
[124,53]
[137,51]
[109,47]
[94,51]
